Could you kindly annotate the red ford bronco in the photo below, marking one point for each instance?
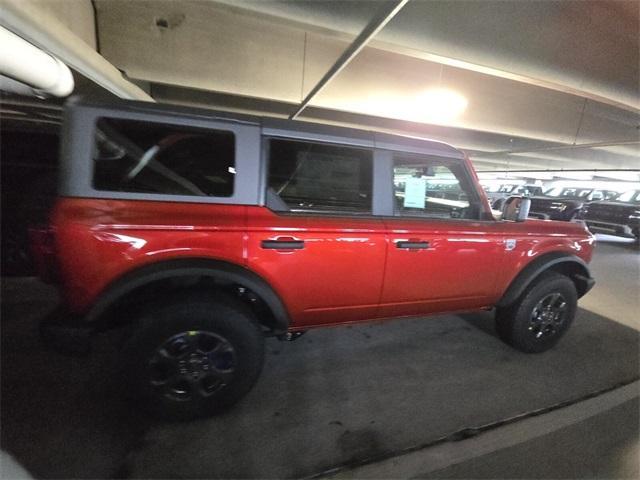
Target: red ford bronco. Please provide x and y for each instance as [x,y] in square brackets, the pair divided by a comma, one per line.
[206,231]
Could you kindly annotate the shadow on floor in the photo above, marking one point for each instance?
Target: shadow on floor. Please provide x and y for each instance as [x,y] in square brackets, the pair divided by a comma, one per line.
[334,396]
[62,417]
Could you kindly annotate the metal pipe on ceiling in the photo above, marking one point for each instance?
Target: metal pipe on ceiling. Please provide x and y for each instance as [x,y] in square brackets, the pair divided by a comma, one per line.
[377,23]
[25,19]
[27,69]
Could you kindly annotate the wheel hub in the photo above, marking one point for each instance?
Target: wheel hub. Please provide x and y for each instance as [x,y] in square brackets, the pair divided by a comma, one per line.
[548,316]
[192,364]
[195,366]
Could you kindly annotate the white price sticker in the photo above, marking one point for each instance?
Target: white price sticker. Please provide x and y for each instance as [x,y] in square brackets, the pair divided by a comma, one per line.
[414,192]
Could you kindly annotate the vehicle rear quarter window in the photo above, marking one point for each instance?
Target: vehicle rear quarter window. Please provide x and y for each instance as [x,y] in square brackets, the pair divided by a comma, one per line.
[147,157]
[432,187]
[316,177]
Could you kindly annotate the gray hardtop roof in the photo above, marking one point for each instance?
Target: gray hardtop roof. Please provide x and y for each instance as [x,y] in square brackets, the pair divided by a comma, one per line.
[272,125]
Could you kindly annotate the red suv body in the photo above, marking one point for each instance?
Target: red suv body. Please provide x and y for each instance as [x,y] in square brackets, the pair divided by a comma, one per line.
[212,230]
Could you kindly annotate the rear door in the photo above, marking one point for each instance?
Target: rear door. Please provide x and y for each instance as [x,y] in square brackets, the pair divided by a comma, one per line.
[317,241]
[441,255]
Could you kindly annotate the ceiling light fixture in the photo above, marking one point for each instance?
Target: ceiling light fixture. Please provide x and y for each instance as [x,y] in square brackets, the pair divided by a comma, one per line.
[441,105]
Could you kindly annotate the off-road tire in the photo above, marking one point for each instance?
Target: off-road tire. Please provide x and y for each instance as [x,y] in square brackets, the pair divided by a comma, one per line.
[192,319]
[515,324]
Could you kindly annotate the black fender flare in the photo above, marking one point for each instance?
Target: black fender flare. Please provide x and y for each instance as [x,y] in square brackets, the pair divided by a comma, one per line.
[220,271]
[576,268]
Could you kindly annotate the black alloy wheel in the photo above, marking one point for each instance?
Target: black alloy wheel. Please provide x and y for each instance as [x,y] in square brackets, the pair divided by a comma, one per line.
[192,364]
[548,316]
[537,320]
[192,355]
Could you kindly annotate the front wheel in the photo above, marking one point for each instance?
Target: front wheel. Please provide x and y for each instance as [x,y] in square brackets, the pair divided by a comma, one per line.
[193,356]
[541,316]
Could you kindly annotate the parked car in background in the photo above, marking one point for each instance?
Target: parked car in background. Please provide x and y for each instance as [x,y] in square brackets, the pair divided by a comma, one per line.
[565,203]
[619,216]
[498,197]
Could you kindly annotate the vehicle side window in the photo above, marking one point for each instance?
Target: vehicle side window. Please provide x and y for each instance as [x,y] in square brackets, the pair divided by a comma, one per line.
[316,177]
[431,187]
[597,195]
[609,194]
[146,157]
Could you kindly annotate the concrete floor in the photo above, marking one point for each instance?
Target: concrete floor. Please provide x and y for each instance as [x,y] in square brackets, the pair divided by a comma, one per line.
[365,397]
[616,295]
[602,446]
[596,438]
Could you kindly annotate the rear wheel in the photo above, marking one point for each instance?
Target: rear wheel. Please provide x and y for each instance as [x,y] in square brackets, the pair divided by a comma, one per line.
[541,316]
[193,356]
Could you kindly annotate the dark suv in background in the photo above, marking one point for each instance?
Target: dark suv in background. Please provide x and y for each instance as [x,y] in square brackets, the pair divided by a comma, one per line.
[619,216]
[565,203]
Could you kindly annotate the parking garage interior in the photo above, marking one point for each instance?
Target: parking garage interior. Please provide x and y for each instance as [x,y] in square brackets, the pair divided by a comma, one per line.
[542,97]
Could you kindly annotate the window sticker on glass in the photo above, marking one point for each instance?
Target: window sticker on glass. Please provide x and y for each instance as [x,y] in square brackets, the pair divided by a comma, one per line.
[414,192]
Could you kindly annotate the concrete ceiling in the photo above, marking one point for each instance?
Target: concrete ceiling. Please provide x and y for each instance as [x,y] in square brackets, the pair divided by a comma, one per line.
[589,47]
[549,84]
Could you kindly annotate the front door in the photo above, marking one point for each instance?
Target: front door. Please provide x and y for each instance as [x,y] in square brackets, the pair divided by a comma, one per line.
[441,256]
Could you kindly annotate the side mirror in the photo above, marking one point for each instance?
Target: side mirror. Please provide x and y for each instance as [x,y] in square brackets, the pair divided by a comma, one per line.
[516,209]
